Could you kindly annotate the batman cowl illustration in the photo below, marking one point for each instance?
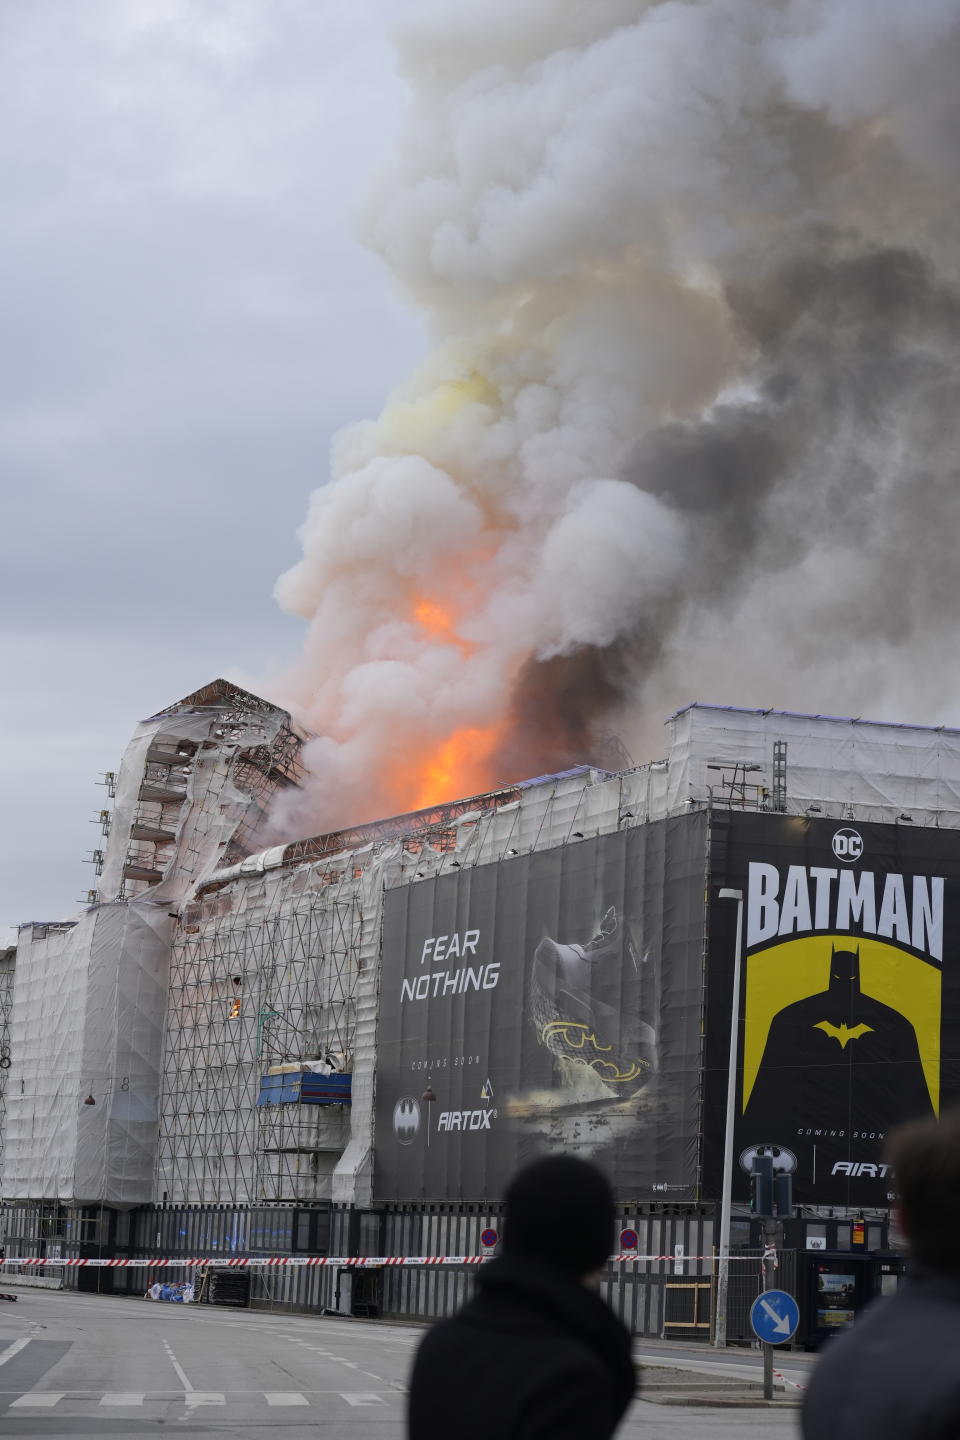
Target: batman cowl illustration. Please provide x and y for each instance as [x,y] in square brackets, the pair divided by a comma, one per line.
[587,1006]
[836,1060]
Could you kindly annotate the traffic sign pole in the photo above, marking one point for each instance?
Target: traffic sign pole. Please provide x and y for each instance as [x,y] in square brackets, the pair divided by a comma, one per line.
[774,1317]
[769,1263]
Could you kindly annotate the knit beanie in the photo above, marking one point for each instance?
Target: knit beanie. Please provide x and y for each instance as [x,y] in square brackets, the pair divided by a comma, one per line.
[560,1212]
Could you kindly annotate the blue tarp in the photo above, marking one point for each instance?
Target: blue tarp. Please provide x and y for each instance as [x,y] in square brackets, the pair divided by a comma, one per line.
[304,1087]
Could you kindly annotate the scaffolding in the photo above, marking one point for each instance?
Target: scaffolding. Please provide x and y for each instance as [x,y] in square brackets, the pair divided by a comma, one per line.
[268,989]
[778,796]
[275,972]
[7,965]
[274,957]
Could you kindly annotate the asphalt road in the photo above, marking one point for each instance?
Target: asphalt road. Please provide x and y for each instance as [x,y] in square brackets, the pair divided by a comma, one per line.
[79,1365]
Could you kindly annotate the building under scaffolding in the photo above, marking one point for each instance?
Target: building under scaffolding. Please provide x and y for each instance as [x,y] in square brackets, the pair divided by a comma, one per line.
[7,964]
[263,983]
[360,1033]
[87,1030]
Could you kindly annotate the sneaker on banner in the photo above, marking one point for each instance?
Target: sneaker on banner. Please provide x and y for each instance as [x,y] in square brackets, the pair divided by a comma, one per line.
[587,1006]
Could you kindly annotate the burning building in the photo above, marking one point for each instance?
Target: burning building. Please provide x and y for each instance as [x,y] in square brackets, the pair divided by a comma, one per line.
[346,1044]
[691,412]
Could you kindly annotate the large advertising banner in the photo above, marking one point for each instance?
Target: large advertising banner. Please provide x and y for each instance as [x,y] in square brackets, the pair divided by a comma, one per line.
[849,1002]
[551,1001]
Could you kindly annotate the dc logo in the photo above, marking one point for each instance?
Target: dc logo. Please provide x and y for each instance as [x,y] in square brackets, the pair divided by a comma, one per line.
[847,845]
[406,1119]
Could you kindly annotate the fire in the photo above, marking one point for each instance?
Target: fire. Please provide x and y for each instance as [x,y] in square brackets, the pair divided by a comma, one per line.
[460,764]
[438,623]
[459,767]
[434,619]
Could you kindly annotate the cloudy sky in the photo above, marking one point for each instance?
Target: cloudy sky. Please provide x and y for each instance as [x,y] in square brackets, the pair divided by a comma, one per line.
[692,399]
[188,317]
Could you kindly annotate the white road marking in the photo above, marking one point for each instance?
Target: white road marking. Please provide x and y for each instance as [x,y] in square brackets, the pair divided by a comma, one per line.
[193,1399]
[181,1374]
[14,1349]
[128,1308]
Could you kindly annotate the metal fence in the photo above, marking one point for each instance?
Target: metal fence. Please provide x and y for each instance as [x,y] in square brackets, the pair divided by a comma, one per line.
[652,1303]
[667,1291]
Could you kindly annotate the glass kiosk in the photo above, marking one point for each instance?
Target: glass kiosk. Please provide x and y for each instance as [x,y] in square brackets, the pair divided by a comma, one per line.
[838,1285]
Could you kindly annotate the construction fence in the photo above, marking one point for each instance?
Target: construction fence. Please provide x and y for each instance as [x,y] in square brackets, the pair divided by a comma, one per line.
[408,1263]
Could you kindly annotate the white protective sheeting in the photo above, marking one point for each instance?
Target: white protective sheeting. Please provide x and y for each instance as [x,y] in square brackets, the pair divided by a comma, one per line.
[299,949]
[846,767]
[211,808]
[88,1017]
[128,782]
[7,969]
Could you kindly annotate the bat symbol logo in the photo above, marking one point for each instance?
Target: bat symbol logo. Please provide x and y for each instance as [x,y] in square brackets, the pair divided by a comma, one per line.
[842,1033]
[406,1119]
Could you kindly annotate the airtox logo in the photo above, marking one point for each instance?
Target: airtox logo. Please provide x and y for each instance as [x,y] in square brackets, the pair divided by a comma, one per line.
[406,1119]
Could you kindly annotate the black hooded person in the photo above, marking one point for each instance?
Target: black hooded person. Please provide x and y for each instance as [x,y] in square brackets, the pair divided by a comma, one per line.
[894,1374]
[537,1354]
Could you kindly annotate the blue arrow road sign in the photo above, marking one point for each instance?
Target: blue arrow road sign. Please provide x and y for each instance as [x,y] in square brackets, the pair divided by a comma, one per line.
[774,1317]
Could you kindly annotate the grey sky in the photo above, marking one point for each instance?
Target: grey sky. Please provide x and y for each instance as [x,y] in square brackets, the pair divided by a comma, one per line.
[187,318]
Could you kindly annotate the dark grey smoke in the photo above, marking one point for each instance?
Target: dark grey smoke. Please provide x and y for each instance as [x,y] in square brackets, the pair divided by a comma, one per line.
[689,429]
[847,445]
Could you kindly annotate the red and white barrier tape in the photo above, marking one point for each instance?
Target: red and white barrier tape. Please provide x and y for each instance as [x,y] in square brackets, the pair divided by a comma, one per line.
[780,1376]
[234,1262]
[361,1260]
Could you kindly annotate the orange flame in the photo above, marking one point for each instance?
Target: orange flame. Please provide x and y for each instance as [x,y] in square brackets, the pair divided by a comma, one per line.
[439,623]
[459,768]
[460,765]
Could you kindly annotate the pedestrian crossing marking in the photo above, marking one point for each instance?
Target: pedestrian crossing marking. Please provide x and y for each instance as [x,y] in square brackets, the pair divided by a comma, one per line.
[118,1399]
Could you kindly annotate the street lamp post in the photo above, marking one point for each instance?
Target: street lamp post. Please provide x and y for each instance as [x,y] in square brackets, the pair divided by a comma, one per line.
[428,1099]
[723,1266]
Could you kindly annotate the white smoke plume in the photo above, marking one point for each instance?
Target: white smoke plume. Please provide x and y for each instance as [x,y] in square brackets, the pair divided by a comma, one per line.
[690,426]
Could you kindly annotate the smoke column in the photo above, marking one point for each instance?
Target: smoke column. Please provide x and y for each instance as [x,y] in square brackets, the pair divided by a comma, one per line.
[690,426]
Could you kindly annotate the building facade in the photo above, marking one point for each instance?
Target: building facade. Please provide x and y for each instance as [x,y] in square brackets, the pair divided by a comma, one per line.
[345,1045]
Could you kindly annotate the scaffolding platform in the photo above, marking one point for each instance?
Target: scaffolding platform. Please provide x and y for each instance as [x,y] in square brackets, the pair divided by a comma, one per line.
[304,1087]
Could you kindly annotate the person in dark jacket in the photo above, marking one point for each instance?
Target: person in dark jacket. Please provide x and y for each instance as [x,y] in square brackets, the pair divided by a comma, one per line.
[536,1355]
[895,1374]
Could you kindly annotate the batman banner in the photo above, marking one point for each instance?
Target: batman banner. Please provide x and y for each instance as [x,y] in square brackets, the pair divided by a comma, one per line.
[550,1001]
[849,1001]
